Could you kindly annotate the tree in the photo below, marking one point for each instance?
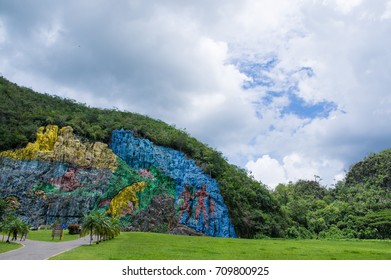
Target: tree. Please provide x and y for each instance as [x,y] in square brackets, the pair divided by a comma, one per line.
[91,225]
[378,223]
[100,225]
[108,228]
[13,225]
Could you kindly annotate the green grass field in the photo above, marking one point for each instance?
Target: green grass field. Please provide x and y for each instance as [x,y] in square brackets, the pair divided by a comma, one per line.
[5,247]
[152,246]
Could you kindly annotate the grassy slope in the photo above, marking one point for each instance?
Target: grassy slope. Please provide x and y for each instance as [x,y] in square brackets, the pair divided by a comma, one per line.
[152,246]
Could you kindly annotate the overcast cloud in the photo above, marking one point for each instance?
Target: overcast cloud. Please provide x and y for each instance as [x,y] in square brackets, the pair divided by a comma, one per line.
[287,89]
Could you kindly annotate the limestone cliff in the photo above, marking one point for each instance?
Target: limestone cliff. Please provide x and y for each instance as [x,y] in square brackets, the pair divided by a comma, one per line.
[41,202]
[61,178]
[197,196]
[60,145]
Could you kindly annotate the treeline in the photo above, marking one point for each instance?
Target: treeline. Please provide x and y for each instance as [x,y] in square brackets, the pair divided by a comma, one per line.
[358,207]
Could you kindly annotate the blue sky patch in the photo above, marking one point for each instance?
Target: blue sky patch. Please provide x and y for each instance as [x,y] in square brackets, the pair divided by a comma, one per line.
[298,106]
[258,74]
[303,109]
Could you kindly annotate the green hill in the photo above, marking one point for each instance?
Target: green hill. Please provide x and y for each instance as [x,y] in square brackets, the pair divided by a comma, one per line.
[252,208]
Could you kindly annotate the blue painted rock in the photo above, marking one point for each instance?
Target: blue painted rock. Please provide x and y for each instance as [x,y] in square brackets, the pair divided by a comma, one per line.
[198,200]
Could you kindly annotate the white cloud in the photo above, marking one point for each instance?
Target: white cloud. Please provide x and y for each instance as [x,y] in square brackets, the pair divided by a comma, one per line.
[172,61]
[345,6]
[350,63]
[387,12]
[49,35]
[267,170]
[298,167]
[294,167]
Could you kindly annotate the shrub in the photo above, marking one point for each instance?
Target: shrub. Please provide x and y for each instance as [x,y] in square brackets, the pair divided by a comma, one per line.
[74,229]
[298,232]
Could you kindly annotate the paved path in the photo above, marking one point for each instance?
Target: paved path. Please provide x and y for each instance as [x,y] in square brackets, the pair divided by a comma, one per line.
[40,250]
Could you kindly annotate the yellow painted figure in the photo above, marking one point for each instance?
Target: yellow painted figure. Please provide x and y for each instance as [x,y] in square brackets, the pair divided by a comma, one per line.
[126,200]
[61,145]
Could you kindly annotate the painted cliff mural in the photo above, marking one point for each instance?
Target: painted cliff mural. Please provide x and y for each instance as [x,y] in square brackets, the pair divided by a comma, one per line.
[147,187]
[197,196]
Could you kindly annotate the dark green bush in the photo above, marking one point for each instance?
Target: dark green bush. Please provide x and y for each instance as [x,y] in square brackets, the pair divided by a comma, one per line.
[74,229]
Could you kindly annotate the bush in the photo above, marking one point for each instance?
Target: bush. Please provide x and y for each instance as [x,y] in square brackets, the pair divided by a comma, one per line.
[74,229]
[298,232]
[332,233]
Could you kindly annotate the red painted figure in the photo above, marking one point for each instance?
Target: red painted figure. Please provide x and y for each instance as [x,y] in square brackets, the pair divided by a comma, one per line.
[185,206]
[68,181]
[202,195]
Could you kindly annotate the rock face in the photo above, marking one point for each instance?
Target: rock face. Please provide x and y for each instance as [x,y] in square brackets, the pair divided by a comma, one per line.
[197,196]
[58,178]
[159,216]
[43,203]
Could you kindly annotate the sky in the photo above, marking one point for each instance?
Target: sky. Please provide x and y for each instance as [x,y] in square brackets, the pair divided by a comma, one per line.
[287,89]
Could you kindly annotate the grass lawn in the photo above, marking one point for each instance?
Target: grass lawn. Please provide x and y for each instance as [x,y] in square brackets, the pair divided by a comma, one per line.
[46,235]
[153,246]
[5,247]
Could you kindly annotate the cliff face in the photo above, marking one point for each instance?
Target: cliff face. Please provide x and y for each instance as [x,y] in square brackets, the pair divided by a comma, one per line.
[197,196]
[60,145]
[43,202]
[60,178]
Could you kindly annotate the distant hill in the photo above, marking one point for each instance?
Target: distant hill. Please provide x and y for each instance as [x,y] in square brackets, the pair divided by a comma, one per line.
[373,170]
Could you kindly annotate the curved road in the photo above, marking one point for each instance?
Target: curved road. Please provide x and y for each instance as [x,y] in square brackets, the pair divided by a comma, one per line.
[40,250]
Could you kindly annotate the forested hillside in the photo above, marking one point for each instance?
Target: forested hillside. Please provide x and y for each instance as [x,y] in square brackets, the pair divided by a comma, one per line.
[358,207]
[252,208]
